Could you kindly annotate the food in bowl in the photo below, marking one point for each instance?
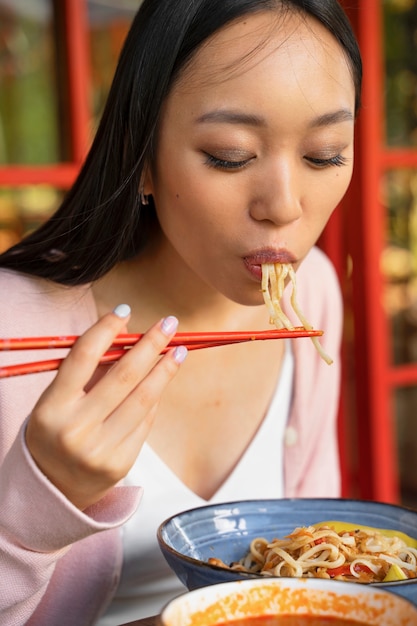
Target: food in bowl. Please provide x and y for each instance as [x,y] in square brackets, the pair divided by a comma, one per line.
[289,602]
[332,550]
[225,530]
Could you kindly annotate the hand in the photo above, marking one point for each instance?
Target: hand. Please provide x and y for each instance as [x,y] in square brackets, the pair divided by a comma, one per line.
[86,441]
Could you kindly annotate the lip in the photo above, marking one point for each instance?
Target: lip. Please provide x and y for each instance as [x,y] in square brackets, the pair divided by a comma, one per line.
[256,259]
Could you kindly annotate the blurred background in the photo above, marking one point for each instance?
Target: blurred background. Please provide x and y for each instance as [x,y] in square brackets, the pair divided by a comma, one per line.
[57,58]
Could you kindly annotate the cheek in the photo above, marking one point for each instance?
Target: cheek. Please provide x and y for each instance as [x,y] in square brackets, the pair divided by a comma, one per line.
[333,191]
[175,187]
[323,199]
[188,201]
[342,184]
[185,212]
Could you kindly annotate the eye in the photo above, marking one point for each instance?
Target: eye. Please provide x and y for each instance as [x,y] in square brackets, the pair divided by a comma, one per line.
[337,160]
[224,164]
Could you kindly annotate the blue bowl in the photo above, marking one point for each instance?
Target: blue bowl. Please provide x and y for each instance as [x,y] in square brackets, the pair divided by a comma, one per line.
[224,531]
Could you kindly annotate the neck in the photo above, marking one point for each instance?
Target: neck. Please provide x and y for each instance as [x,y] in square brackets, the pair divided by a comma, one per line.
[197,305]
[158,283]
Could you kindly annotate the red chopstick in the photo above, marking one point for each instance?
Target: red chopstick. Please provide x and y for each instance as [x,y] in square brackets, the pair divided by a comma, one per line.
[193,341]
[40,343]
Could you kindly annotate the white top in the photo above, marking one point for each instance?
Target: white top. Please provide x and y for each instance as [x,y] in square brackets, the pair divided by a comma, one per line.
[147,583]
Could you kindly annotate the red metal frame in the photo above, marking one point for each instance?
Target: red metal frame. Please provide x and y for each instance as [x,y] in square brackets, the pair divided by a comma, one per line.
[79,75]
[61,175]
[75,19]
[378,480]
[376,379]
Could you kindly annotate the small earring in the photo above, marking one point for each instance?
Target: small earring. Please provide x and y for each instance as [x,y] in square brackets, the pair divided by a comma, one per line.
[144,199]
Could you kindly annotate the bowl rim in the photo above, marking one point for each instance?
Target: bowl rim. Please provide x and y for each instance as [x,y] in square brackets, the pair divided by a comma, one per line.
[256,501]
[340,588]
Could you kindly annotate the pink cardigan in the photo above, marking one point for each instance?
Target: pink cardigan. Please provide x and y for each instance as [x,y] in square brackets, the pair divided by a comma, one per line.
[59,565]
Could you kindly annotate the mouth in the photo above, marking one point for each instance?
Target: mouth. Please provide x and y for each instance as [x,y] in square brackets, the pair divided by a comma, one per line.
[256,259]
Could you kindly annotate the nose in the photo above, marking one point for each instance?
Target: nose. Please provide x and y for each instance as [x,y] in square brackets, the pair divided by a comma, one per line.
[278,197]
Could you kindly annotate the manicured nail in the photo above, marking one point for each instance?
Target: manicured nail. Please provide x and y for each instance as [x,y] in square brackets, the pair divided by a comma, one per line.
[122,310]
[169,325]
[180,354]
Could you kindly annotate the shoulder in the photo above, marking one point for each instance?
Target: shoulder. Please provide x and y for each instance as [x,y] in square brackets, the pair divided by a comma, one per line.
[31,304]
[318,290]
[317,274]
[319,298]
[312,466]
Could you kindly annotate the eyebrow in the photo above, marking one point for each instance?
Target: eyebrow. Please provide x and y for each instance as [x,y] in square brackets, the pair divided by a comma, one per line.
[230,117]
[336,117]
[221,116]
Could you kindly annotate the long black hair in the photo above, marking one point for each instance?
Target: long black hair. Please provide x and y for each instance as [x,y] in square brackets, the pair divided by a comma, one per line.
[101,220]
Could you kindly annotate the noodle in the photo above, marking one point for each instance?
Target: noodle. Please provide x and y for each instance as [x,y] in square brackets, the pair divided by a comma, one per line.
[273,284]
[360,555]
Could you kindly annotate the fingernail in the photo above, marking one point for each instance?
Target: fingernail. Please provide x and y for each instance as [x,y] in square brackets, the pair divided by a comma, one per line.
[169,325]
[122,310]
[180,354]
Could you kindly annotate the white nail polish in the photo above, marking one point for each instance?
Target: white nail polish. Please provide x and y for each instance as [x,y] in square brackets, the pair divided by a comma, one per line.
[180,354]
[122,310]
[169,325]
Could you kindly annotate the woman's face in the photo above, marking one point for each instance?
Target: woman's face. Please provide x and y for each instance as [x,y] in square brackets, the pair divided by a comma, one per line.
[254,151]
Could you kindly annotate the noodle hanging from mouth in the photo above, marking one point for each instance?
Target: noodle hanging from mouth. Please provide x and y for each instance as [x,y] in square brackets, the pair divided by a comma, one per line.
[273,285]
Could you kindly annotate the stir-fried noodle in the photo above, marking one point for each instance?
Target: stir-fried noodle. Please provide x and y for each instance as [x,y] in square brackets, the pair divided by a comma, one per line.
[355,555]
[273,284]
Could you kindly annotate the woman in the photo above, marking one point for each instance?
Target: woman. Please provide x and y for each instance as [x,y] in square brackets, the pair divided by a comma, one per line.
[226,143]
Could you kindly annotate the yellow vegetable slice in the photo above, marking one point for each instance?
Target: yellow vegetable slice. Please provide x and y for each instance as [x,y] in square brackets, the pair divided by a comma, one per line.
[394,573]
[341,526]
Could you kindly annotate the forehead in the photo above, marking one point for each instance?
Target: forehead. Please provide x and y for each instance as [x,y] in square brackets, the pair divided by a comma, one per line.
[280,41]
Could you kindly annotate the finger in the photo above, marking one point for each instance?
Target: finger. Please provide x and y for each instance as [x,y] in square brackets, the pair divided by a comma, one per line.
[110,448]
[124,454]
[134,412]
[131,369]
[82,360]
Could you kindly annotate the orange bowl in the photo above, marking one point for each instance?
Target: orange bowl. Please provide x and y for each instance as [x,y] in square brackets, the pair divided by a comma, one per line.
[332,603]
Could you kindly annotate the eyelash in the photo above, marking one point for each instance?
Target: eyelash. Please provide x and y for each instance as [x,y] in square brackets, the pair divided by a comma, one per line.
[337,161]
[213,161]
